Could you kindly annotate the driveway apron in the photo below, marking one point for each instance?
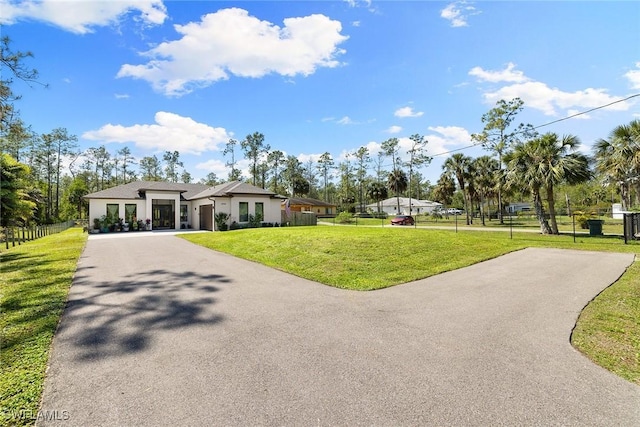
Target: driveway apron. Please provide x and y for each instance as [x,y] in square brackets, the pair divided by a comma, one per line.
[161,332]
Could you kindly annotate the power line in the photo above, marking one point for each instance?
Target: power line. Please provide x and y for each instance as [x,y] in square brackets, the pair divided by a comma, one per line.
[549,123]
[588,111]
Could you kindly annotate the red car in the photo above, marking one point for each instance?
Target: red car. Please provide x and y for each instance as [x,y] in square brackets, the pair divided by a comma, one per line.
[403,220]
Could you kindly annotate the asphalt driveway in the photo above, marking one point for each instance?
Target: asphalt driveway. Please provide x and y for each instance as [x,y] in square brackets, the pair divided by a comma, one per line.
[159,331]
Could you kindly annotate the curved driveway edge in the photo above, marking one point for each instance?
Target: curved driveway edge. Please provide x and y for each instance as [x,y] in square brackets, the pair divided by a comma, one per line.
[159,331]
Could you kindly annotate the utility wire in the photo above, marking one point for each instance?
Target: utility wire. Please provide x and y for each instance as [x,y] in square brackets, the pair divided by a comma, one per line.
[548,123]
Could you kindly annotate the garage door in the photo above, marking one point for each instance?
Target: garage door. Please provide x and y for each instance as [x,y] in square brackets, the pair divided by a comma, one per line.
[206,217]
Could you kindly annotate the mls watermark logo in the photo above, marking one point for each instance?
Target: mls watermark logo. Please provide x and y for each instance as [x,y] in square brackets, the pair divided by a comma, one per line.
[46,415]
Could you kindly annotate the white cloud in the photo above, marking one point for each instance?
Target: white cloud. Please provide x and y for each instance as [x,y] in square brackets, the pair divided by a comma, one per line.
[170,132]
[79,16]
[407,112]
[221,170]
[121,95]
[214,165]
[458,13]
[540,96]
[374,148]
[634,76]
[356,3]
[344,154]
[447,138]
[394,129]
[230,42]
[346,120]
[546,99]
[304,158]
[509,74]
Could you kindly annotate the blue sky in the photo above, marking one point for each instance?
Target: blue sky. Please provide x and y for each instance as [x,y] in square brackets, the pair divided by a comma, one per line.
[318,76]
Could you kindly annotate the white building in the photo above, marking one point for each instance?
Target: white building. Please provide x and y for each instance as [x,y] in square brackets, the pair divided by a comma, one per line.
[174,206]
[415,206]
[512,208]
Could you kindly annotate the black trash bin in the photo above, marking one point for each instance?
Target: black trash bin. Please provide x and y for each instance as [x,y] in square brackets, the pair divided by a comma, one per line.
[595,227]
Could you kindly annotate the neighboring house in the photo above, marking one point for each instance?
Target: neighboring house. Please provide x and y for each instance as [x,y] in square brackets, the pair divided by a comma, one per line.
[512,208]
[390,206]
[318,207]
[174,206]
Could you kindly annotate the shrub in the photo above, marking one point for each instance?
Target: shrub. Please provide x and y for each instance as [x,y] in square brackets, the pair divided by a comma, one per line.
[254,221]
[582,218]
[344,218]
[221,219]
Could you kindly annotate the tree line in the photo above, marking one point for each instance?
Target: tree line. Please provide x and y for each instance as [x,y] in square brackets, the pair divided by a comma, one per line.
[540,169]
[521,165]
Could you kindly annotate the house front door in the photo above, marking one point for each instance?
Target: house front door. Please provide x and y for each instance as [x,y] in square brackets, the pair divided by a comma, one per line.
[163,217]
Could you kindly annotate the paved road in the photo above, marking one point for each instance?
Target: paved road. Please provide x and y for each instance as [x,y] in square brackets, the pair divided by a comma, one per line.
[162,332]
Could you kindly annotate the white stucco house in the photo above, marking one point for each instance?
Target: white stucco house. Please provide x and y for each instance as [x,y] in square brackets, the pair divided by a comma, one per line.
[174,206]
[390,206]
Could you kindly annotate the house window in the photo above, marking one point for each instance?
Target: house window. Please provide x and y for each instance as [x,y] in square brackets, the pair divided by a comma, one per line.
[183,213]
[130,213]
[244,211]
[113,212]
[259,211]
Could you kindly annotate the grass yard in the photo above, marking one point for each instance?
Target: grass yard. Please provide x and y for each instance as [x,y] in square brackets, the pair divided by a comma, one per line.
[368,258]
[358,258]
[608,330]
[34,283]
[524,222]
[35,280]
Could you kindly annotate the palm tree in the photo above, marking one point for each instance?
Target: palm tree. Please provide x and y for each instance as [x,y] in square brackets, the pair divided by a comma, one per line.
[521,173]
[444,189]
[552,161]
[377,191]
[561,163]
[618,159]
[397,182]
[486,179]
[458,165]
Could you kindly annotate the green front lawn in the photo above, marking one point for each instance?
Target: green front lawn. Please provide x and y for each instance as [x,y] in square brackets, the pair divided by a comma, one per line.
[34,283]
[357,258]
[367,258]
